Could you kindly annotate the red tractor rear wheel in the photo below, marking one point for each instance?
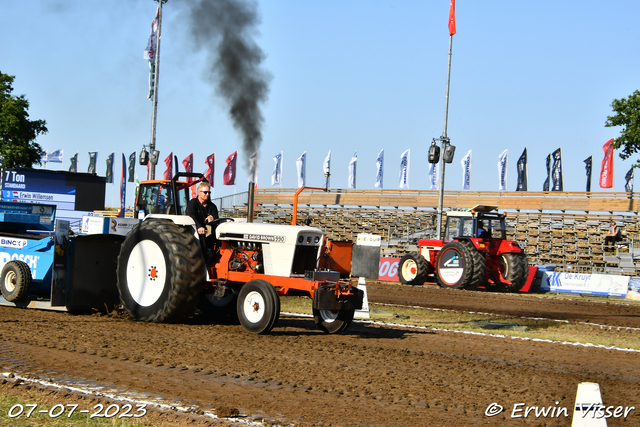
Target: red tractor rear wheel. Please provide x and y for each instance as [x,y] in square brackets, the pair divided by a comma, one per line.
[454,266]
[478,277]
[515,269]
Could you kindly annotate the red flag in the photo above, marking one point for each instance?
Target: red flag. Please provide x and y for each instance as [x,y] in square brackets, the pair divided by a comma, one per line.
[606,172]
[452,18]
[229,177]
[123,187]
[208,175]
[188,167]
[168,174]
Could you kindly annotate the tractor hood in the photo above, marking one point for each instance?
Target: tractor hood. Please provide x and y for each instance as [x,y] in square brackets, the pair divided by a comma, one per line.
[269,233]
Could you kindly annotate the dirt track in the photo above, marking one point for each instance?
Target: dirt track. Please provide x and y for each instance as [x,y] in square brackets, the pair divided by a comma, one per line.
[371,375]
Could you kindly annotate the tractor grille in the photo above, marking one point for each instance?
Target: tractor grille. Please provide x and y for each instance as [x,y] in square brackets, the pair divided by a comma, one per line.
[304,259]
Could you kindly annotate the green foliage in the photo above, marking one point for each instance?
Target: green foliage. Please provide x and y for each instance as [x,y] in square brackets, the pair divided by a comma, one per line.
[17,133]
[628,116]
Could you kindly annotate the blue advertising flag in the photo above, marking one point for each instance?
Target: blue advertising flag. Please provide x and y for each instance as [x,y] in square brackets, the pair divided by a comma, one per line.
[587,166]
[132,167]
[522,171]
[556,171]
[109,173]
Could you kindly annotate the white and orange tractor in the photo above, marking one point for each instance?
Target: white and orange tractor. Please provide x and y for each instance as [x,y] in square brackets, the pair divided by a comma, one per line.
[163,275]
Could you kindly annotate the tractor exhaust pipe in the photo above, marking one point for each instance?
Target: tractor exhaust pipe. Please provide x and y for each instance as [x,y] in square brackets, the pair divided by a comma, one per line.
[250,202]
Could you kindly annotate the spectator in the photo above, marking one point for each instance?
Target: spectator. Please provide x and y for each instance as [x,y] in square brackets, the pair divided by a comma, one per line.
[614,235]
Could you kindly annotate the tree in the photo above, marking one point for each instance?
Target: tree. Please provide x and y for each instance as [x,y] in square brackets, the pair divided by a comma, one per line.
[17,133]
[628,116]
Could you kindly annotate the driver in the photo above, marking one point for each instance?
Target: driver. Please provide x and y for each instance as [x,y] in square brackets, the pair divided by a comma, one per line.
[203,212]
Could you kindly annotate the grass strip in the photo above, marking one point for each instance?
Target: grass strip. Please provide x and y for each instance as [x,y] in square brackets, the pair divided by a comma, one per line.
[503,325]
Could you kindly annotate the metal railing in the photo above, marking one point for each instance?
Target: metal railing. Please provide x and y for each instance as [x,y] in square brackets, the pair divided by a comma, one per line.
[232,202]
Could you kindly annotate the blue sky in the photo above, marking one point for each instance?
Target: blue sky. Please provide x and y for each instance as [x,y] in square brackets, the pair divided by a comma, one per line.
[347,75]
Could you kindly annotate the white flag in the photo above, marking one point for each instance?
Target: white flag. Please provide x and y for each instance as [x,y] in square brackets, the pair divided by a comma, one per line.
[253,168]
[352,170]
[150,54]
[326,168]
[276,176]
[55,157]
[404,170]
[502,170]
[300,164]
[434,175]
[379,169]
[466,171]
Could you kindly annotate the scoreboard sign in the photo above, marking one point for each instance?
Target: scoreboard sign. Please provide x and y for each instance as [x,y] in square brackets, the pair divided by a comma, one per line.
[72,193]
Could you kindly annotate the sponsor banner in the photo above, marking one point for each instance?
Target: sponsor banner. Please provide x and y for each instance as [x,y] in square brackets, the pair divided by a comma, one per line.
[364,239]
[388,271]
[108,225]
[12,242]
[590,284]
[32,259]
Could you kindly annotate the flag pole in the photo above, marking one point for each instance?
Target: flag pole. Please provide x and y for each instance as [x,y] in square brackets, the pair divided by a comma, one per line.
[152,144]
[445,142]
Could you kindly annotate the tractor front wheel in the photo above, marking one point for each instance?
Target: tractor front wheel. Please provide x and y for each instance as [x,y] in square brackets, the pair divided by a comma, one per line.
[15,281]
[333,321]
[514,269]
[412,269]
[258,306]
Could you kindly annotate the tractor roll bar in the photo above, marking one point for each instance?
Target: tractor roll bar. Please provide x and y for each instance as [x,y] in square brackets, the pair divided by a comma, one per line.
[175,189]
[294,217]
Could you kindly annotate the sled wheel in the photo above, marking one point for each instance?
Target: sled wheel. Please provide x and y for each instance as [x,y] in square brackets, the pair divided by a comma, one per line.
[160,271]
[333,321]
[455,266]
[478,276]
[258,310]
[412,269]
[16,280]
[514,269]
[219,310]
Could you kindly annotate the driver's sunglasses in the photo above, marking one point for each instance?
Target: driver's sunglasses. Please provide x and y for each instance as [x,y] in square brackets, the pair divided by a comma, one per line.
[206,192]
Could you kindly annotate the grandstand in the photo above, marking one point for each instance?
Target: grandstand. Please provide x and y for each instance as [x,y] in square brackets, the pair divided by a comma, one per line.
[562,228]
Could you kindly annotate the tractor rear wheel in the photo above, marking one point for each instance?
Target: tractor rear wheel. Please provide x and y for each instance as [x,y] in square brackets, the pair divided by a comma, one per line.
[15,281]
[455,266]
[160,271]
[412,269]
[479,266]
[515,269]
[258,306]
[333,321]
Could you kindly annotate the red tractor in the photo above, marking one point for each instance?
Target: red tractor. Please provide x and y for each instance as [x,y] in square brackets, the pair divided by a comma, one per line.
[474,253]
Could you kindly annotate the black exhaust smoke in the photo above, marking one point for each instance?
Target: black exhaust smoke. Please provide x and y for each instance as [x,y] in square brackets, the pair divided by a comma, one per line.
[226,30]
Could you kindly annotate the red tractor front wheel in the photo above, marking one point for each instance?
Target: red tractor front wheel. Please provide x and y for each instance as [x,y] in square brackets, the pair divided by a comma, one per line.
[413,269]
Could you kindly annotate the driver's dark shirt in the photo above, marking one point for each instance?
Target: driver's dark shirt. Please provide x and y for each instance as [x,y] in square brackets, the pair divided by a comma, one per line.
[198,212]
